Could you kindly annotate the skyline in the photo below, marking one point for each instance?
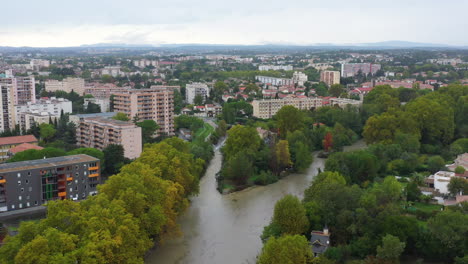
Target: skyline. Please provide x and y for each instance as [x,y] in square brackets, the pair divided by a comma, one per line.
[52,24]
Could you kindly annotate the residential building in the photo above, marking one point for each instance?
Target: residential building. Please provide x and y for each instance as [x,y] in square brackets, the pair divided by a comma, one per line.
[274,81]
[268,108]
[461,160]
[321,66]
[104,104]
[299,78]
[104,91]
[342,102]
[68,84]
[275,67]
[330,77]
[194,89]
[113,71]
[352,69]
[53,106]
[99,132]
[76,119]
[144,62]
[39,63]
[319,241]
[7,143]
[155,103]
[29,119]
[23,89]
[22,147]
[8,116]
[33,183]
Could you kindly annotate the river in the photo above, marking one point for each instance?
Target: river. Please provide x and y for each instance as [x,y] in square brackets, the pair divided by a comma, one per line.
[226,228]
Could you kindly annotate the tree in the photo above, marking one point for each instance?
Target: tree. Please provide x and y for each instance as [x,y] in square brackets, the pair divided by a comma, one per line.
[47,131]
[328,142]
[458,185]
[391,249]
[289,119]
[198,100]
[148,128]
[121,116]
[114,154]
[241,138]
[290,216]
[287,249]
[435,163]
[460,170]
[239,168]
[282,155]
[412,191]
[301,156]
[34,154]
[93,108]
[336,90]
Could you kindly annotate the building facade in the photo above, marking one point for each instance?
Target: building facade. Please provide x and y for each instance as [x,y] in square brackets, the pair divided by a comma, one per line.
[8,115]
[7,143]
[99,132]
[68,84]
[155,103]
[352,69]
[53,106]
[330,77]
[104,91]
[274,81]
[268,108]
[194,89]
[299,78]
[34,118]
[33,183]
[103,103]
[275,67]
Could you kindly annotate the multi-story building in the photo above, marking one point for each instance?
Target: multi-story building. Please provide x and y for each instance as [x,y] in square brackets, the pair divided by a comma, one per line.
[104,91]
[38,63]
[194,89]
[22,88]
[352,69]
[8,115]
[113,71]
[275,67]
[68,84]
[144,62]
[26,120]
[299,78]
[104,104]
[268,108]
[33,183]
[155,103]
[99,132]
[274,81]
[343,102]
[330,77]
[53,106]
[7,143]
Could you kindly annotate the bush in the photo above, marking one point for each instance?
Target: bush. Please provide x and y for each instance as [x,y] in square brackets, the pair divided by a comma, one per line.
[265,178]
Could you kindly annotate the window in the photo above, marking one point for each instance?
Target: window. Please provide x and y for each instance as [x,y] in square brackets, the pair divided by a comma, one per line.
[20,205]
[76,167]
[19,182]
[12,206]
[71,189]
[76,188]
[28,204]
[20,198]
[85,173]
[28,197]
[76,174]
[83,195]
[19,175]
[35,202]
[27,181]
[29,173]
[22,189]
[30,189]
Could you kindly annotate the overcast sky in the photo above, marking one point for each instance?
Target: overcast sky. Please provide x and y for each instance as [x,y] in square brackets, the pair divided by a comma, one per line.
[58,23]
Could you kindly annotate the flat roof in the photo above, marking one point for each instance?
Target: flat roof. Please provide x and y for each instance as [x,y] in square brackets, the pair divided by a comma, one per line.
[41,163]
[17,139]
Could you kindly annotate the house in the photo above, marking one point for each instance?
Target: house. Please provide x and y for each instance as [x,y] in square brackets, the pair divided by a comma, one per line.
[319,241]
[6,143]
[22,147]
[462,161]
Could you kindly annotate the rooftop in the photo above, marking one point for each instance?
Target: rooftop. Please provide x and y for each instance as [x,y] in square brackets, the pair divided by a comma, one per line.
[41,163]
[17,140]
[23,147]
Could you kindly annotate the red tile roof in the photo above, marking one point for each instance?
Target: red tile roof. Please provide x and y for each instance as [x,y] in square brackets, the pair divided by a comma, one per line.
[17,140]
[23,147]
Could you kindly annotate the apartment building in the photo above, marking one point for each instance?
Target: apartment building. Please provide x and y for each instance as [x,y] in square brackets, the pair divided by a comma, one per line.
[268,108]
[7,143]
[352,69]
[104,104]
[275,67]
[330,77]
[8,116]
[23,89]
[194,89]
[68,84]
[52,105]
[34,118]
[99,132]
[299,78]
[155,103]
[39,63]
[113,71]
[274,81]
[104,91]
[33,183]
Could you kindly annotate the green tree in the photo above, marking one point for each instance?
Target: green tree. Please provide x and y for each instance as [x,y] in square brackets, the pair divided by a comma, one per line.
[282,157]
[239,168]
[287,249]
[114,154]
[290,216]
[148,128]
[458,185]
[435,163]
[241,138]
[460,170]
[47,131]
[121,116]
[198,100]
[289,119]
[336,90]
[391,249]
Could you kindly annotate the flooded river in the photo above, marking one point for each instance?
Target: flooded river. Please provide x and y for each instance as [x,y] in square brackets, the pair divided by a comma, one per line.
[226,228]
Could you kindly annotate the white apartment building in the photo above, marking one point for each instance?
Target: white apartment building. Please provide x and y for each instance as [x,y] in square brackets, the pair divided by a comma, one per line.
[68,84]
[194,89]
[144,62]
[53,106]
[28,119]
[103,103]
[275,67]
[114,71]
[268,108]
[274,81]
[299,77]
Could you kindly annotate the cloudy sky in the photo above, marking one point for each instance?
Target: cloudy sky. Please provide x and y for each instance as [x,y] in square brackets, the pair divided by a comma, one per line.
[58,23]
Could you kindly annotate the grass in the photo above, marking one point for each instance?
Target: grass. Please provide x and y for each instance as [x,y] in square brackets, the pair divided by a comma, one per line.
[425,207]
[203,132]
